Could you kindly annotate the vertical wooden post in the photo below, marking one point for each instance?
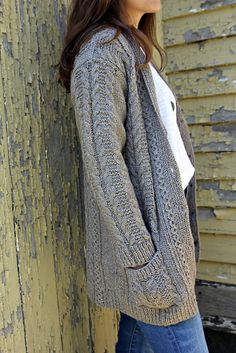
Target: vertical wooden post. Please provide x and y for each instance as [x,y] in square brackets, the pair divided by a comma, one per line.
[43,302]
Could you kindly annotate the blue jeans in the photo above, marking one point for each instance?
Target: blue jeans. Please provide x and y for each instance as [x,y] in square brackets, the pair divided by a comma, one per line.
[135,336]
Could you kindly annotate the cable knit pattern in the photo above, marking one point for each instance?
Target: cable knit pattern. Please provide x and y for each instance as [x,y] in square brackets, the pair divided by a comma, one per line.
[135,208]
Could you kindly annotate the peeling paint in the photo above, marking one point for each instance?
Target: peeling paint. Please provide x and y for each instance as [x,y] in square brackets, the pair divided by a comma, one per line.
[6,331]
[202,33]
[216,72]
[223,79]
[205,213]
[230,129]
[210,4]
[229,195]
[7,45]
[193,10]
[43,234]
[42,279]
[3,277]
[222,114]
[222,276]
[19,313]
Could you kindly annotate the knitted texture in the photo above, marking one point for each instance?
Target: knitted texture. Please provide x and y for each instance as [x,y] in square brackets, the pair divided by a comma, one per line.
[135,208]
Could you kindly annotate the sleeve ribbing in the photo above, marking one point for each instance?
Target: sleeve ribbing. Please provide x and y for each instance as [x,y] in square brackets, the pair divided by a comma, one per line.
[98,88]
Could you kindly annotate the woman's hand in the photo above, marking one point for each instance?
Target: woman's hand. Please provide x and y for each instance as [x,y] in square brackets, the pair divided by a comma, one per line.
[139,266]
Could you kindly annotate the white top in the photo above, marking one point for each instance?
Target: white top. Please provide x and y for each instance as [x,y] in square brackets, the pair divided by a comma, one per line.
[167,105]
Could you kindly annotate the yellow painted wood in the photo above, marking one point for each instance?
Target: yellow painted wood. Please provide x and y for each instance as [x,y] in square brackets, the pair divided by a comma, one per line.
[104,329]
[43,297]
[217,220]
[216,193]
[199,38]
[216,166]
[192,7]
[159,36]
[199,54]
[203,25]
[11,318]
[210,109]
[204,82]
[214,138]
[44,304]
[218,248]
[216,272]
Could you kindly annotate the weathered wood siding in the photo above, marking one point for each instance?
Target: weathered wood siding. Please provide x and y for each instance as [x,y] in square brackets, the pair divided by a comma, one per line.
[44,305]
[200,40]
[43,301]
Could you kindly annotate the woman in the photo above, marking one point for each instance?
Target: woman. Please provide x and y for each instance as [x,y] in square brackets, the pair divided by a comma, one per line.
[142,240]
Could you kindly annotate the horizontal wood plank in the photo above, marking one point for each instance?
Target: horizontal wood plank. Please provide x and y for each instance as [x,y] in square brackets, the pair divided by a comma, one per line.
[204,82]
[216,271]
[214,138]
[217,298]
[216,193]
[203,26]
[199,38]
[219,323]
[200,55]
[208,110]
[215,301]
[215,165]
[191,7]
[218,248]
[217,220]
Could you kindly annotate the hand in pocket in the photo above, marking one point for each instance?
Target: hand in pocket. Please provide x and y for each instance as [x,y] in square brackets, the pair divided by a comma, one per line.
[150,284]
[139,266]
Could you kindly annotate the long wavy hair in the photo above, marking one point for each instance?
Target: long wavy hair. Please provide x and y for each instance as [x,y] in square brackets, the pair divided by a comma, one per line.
[86,17]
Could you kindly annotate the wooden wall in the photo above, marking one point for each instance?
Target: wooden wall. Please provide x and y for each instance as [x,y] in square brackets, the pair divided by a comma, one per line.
[43,301]
[200,40]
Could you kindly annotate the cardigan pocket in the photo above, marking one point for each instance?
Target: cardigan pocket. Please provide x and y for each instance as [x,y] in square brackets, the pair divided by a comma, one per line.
[150,285]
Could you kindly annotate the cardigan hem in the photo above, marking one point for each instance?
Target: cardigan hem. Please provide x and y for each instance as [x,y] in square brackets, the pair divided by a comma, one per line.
[154,316]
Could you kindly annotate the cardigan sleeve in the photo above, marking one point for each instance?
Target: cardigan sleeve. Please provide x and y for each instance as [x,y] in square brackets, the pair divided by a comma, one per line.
[98,90]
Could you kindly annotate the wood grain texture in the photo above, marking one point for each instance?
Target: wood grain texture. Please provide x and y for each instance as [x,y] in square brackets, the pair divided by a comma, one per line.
[199,38]
[199,55]
[208,110]
[44,305]
[11,319]
[201,26]
[216,193]
[215,166]
[214,81]
[43,296]
[219,248]
[192,7]
[214,138]
[216,272]
[217,297]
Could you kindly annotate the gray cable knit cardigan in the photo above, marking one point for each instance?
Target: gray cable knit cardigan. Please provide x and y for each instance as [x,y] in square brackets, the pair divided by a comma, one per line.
[135,208]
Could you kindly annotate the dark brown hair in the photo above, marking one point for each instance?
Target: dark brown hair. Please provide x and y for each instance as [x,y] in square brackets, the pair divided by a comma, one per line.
[86,17]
